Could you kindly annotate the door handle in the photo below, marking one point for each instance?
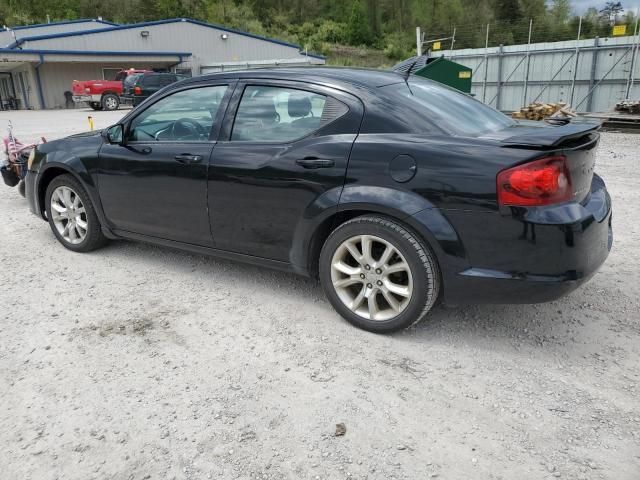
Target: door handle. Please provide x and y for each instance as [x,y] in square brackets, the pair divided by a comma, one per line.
[187,158]
[314,162]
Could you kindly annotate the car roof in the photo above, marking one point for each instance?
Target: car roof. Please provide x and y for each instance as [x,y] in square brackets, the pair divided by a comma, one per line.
[366,77]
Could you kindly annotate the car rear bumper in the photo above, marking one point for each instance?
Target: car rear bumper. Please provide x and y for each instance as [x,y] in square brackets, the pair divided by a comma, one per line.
[126,100]
[530,255]
[87,98]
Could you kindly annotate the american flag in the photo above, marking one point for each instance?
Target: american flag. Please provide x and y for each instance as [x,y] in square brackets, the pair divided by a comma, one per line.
[12,144]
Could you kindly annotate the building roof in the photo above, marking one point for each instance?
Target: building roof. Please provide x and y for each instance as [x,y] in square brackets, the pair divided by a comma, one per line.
[114,27]
[65,22]
[13,51]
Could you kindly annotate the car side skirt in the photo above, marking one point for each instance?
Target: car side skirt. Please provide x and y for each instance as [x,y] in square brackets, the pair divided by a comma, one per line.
[214,252]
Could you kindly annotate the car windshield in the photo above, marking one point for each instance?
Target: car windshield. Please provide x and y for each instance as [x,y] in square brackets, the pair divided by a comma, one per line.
[450,109]
[131,79]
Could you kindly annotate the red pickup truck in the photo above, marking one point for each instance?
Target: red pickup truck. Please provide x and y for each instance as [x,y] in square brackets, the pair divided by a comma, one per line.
[101,94]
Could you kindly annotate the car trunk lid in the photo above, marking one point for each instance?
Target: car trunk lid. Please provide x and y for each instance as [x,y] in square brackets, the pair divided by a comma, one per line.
[576,141]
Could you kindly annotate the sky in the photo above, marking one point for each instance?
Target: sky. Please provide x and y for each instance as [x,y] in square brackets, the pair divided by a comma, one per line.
[580,6]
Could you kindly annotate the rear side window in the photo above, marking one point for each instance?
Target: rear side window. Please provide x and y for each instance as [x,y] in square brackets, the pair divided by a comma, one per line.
[151,81]
[279,114]
[454,111]
[167,80]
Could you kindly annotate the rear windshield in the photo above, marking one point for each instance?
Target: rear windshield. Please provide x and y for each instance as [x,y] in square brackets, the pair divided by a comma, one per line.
[450,109]
[132,79]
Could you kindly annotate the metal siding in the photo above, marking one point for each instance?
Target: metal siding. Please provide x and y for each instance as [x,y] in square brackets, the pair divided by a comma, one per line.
[205,43]
[558,65]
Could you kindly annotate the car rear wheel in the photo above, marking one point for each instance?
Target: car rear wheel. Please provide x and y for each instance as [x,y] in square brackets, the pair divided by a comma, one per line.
[95,105]
[71,215]
[378,275]
[110,102]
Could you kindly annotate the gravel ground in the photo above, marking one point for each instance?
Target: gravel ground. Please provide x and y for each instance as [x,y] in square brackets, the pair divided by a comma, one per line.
[138,362]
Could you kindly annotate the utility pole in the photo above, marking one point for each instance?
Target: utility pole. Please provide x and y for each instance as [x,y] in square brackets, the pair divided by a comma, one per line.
[634,50]
[418,42]
[575,66]
[526,70]
[486,65]
[453,40]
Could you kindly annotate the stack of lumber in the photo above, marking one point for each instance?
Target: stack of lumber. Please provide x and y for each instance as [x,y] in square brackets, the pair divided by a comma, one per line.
[540,111]
[628,106]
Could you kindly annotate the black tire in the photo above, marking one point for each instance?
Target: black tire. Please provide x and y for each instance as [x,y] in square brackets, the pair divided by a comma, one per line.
[110,102]
[22,188]
[422,264]
[94,238]
[96,105]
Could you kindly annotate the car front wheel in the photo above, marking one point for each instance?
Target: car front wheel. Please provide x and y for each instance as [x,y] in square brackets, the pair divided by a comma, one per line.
[71,215]
[378,275]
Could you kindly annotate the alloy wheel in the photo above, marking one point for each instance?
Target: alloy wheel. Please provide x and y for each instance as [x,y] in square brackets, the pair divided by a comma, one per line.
[69,215]
[371,277]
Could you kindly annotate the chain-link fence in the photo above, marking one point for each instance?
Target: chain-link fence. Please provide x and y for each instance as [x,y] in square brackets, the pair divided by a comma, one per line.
[517,63]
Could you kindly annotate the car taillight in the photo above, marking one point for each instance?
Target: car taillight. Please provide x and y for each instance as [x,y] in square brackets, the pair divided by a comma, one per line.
[541,182]
[137,91]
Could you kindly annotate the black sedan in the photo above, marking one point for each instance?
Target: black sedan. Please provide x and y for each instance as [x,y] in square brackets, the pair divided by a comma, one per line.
[396,192]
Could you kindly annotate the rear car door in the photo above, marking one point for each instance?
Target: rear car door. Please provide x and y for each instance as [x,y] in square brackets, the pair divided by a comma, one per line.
[155,184]
[284,147]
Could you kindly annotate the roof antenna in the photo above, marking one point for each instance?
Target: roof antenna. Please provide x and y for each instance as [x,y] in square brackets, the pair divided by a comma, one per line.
[408,72]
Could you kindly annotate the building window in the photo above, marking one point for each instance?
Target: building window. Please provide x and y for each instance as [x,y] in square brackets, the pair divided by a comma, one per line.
[110,73]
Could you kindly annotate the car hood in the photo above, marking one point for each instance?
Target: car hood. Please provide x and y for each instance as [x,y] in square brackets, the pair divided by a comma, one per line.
[91,133]
[84,140]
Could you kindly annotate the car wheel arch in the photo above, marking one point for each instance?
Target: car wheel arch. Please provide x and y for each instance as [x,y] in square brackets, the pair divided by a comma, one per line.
[331,223]
[50,171]
[45,177]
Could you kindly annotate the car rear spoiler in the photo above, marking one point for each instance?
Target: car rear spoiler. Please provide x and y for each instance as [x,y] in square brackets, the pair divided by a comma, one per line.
[550,136]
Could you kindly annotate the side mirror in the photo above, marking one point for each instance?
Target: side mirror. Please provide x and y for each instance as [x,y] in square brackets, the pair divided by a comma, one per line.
[114,134]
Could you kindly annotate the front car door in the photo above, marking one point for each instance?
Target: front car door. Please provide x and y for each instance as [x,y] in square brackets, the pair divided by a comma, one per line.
[286,149]
[155,184]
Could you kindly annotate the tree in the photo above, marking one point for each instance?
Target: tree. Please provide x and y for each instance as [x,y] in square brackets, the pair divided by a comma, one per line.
[508,11]
[611,11]
[560,11]
[358,30]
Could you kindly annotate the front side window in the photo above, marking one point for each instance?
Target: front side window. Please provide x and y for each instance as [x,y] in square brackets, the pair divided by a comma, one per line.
[277,114]
[130,80]
[185,116]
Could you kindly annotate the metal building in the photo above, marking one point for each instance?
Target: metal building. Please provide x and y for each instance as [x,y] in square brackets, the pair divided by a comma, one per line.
[39,62]
[591,75]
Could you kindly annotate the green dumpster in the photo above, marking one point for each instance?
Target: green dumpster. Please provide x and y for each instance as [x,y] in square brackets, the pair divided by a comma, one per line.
[447,72]
[440,70]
